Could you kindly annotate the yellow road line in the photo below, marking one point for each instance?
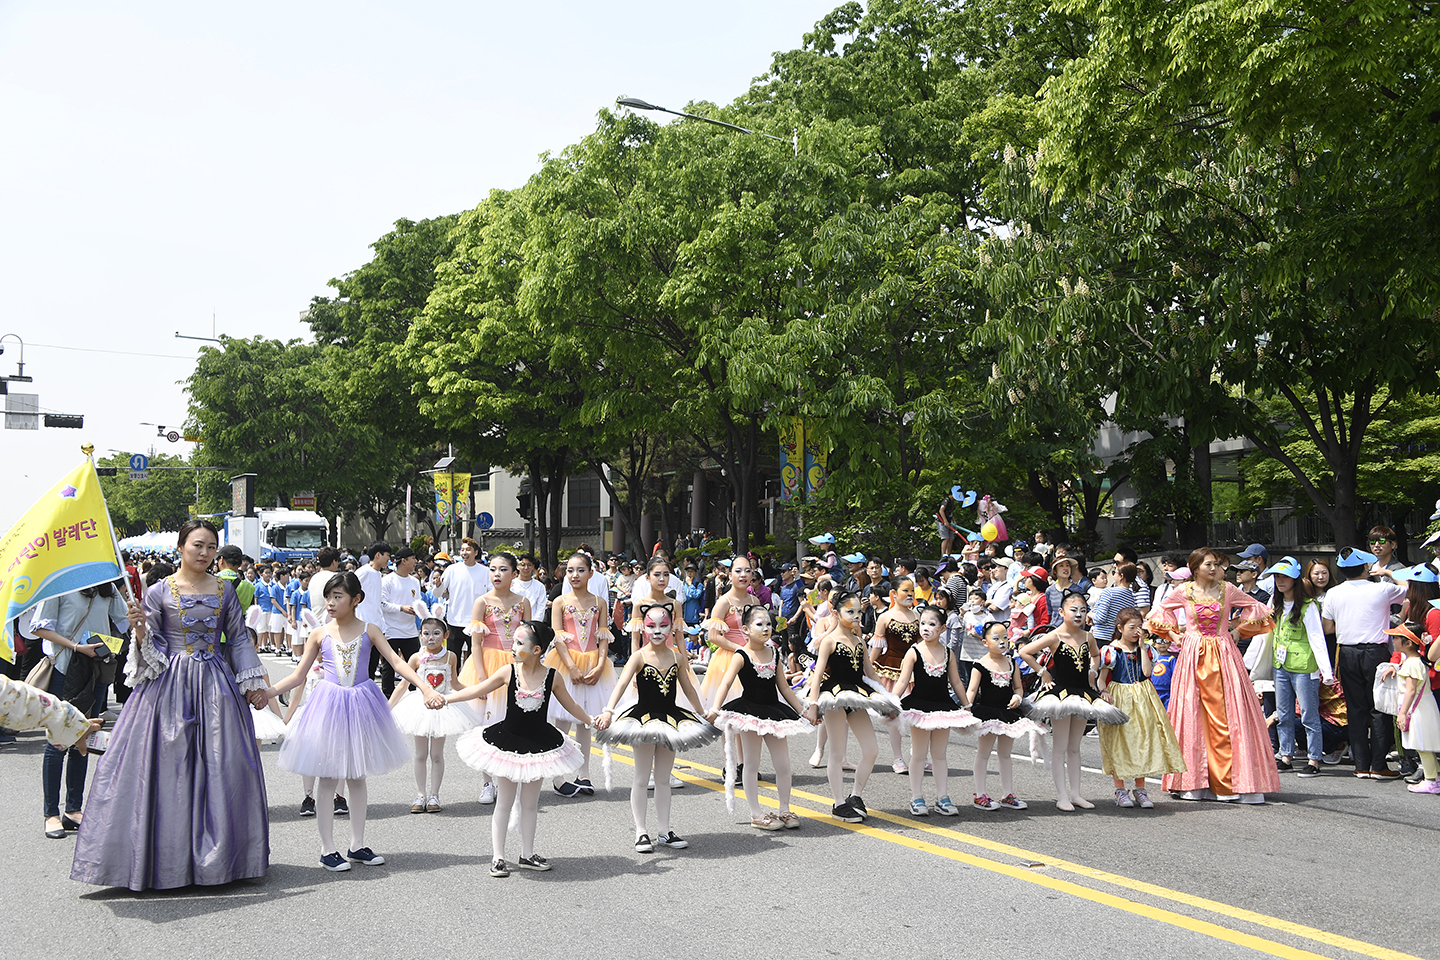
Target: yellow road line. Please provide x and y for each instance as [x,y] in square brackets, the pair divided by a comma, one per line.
[1164,916]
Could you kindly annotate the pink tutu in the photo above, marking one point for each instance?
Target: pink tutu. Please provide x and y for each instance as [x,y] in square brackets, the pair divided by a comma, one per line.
[344,733]
[477,752]
[764,726]
[937,719]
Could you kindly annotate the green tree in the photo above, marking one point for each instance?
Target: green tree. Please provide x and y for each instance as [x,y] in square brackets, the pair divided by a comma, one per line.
[159,503]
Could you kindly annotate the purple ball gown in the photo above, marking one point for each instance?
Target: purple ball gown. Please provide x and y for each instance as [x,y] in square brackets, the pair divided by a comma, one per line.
[179,798]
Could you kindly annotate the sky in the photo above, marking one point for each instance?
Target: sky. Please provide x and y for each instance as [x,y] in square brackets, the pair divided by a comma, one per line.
[166,166]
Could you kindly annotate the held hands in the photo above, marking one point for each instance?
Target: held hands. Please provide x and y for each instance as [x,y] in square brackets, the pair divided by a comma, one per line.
[812,713]
[434,700]
[603,719]
[1014,702]
[259,698]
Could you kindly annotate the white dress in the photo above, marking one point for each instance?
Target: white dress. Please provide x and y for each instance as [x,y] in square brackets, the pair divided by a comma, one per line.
[417,720]
[1424,732]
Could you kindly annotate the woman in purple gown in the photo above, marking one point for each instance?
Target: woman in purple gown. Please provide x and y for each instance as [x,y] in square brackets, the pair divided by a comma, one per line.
[179,798]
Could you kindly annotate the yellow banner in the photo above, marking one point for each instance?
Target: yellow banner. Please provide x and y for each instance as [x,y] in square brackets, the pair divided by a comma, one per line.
[451,489]
[62,544]
[792,457]
[114,643]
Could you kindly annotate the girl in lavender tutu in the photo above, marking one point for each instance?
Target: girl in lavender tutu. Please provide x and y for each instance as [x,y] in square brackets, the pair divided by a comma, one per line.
[524,748]
[346,731]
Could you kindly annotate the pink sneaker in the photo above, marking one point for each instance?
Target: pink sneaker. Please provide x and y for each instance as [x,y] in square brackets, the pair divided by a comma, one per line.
[1425,786]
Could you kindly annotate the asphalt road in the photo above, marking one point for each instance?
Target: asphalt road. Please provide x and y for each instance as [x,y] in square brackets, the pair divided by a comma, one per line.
[1332,867]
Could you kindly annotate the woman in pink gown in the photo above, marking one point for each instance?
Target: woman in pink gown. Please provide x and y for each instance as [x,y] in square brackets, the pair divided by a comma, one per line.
[1213,707]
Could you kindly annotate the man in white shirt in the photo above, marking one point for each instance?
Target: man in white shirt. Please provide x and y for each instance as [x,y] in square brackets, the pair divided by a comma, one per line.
[372,576]
[399,592]
[530,588]
[1357,612]
[463,584]
[328,561]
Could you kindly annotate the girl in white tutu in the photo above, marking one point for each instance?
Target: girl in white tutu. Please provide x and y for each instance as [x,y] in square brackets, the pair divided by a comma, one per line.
[655,726]
[524,747]
[766,712]
[429,727]
[929,713]
[346,731]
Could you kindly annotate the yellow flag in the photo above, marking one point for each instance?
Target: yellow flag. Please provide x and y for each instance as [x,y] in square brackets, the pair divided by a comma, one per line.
[62,544]
[114,643]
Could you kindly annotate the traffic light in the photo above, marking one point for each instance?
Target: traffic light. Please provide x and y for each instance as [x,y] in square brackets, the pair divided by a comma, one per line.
[523,502]
[105,471]
[69,420]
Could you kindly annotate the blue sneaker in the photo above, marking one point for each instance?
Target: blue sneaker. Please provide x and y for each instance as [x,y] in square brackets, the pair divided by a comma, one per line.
[918,808]
[334,863]
[366,856]
[945,808]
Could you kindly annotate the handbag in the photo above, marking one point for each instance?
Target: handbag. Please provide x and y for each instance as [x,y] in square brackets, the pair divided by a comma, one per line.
[39,675]
[1386,694]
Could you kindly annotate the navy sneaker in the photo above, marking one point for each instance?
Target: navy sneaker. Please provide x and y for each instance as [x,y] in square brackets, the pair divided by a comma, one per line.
[567,789]
[499,869]
[342,809]
[366,856]
[307,807]
[844,811]
[672,840]
[534,862]
[334,863]
[859,806]
[585,787]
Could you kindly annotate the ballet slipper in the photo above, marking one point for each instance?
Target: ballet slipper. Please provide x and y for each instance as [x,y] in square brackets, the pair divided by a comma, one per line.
[1082,803]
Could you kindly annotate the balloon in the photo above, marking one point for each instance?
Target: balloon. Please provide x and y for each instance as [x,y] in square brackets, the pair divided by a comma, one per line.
[989,531]
[1000,531]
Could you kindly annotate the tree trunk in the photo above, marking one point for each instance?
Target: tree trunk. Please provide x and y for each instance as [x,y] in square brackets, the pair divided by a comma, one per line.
[1195,527]
[556,528]
[1047,496]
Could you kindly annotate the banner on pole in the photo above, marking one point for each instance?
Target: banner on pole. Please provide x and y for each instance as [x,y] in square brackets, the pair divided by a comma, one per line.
[62,544]
[451,490]
[815,461]
[792,457]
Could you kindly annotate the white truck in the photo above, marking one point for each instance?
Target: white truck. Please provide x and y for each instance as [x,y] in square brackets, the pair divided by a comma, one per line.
[277,534]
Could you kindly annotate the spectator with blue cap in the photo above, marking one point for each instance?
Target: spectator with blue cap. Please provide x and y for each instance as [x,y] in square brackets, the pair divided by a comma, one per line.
[856,578]
[830,562]
[1302,663]
[1357,612]
[1261,556]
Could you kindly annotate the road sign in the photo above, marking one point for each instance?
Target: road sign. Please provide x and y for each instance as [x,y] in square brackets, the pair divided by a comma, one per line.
[484,521]
[191,438]
[303,501]
[173,436]
[139,474]
[138,461]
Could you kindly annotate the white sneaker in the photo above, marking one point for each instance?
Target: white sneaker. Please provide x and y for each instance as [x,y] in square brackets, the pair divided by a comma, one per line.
[675,783]
[487,793]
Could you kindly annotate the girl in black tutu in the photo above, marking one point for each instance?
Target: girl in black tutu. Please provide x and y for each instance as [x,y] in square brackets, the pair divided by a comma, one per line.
[524,748]
[766,711]
[655,726]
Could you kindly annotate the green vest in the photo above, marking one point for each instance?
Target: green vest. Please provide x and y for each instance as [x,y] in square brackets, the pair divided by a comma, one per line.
[1291,642]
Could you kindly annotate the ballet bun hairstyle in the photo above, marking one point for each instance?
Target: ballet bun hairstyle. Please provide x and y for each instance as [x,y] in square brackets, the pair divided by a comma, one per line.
[540,633]
[508,558]
[937,612]
[441,624]
[347,581]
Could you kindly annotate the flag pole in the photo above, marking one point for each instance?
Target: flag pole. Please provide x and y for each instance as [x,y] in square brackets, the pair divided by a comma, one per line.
[89,450]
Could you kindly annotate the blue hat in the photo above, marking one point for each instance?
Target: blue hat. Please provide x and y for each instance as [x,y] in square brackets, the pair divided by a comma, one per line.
[974,537]
[823,538]
[1435,604]
[1285,566]
[854,558]
[1355,557]
[1420,573]
[726,562]
[1436,514]
[1431,540]
[1254,550]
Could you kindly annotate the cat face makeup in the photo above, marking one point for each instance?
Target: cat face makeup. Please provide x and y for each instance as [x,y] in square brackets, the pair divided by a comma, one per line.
[656,625]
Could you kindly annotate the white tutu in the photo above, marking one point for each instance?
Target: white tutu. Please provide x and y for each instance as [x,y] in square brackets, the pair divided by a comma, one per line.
[878,701]
[417,720]
[685,735]
[559,763]
[268,727]
[937,719]
[590,697]
[1018,728]
[1050,707]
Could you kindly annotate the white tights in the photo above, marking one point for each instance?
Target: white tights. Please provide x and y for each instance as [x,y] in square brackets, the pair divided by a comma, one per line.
[1065,758]
[750,744]
[505,794]
[581,733]
[858,723]
[935,743]
[652,759]
[433,749]
[989,742]
[325,814]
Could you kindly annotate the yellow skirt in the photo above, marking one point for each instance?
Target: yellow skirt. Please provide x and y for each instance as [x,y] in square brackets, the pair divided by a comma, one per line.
[710,695]
[1146,745]
[482,664]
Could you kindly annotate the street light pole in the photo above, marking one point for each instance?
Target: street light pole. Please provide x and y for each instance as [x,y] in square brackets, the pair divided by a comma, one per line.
[634,103]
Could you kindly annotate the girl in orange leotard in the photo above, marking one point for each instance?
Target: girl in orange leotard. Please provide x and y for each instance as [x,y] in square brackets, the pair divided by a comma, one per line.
[581,656]
[725,632]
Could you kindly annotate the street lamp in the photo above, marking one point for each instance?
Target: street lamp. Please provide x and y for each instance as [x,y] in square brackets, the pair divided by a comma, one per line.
[634,103]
